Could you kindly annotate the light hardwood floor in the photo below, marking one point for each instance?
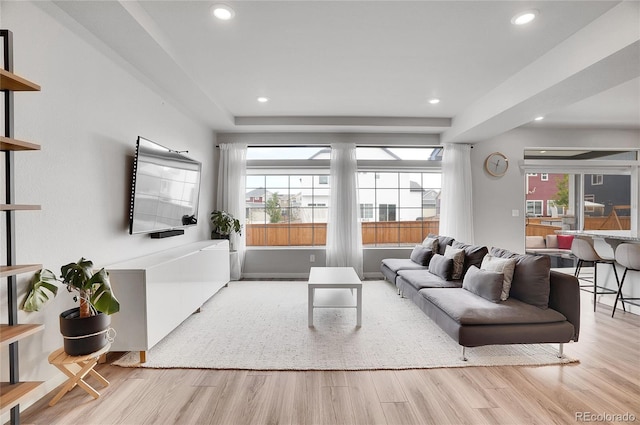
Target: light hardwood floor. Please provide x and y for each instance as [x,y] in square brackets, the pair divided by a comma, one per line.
[606,381]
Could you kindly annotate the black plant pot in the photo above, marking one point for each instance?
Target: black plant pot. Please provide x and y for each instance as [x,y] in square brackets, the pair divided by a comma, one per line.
[75,329]
[215,235]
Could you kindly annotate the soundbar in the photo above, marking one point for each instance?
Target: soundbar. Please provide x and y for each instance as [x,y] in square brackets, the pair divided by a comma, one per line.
[166,234]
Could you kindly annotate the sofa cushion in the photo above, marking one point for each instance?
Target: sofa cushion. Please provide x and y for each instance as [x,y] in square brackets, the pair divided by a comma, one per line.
[419,279]
[565,241]
[396,264]
[431,243]
[468,308]
[421,255]
[473,255]
[484,283]
[530,278]
[506,266]
[441,266]
[551,241]
[457,255]
[443,241]
[534,242]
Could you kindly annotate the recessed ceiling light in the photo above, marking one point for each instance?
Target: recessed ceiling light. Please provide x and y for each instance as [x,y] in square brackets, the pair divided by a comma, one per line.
[222,12]
[524,17]
[540,118]
[263,99]
[434,101]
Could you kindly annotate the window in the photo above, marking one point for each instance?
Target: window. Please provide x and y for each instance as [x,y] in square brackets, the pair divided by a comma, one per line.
[596,179]
[288,193]
[534,208]
[287,196]
[588,200]
[387,212]
[366,212]
[544,177]
[407,205]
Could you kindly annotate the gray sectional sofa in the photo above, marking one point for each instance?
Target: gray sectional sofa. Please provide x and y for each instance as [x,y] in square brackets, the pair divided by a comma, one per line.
[543,306]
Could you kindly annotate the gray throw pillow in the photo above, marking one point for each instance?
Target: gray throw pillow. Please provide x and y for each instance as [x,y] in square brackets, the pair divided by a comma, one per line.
[421,255]
[457,255]
[506,266]
[431,243]
[473,255]
[443,241]
[484,283]
[441,266]
[531,278]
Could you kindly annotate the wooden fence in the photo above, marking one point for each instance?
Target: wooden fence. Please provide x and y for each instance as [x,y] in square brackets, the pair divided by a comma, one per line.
[391,232]
[315,234]
[534,228]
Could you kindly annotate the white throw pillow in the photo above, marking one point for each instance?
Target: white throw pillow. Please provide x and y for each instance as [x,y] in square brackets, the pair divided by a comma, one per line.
[501,265]
[431,243]
[458,260]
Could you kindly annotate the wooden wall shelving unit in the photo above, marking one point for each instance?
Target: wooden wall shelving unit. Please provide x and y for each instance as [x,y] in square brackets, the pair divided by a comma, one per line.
[12,393]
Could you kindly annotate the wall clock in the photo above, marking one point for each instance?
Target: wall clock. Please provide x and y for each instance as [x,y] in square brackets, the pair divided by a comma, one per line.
[496,164]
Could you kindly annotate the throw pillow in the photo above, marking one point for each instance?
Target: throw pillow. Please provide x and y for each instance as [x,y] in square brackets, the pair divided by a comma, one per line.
[441,266]
[443,241]
[531,280]
[506,266]
[473,255]
[431,243]
[565,241]
[484,283]
[421,255]
[457,255]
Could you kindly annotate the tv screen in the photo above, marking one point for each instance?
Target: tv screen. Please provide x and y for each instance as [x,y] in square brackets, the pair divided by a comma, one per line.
[165,189]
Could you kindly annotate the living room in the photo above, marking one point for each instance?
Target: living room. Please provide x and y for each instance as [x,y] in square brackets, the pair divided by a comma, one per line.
[99,94]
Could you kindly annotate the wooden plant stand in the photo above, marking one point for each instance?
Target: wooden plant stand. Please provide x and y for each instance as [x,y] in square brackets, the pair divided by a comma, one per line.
[76,368]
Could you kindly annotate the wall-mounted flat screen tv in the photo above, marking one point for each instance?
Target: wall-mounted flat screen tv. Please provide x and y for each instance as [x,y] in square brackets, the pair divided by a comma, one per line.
[165,189]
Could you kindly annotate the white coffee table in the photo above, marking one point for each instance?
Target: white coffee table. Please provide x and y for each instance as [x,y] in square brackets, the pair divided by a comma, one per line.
[334,277]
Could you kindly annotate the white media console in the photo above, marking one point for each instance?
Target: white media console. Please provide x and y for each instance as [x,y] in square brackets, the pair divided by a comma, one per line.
[157,292]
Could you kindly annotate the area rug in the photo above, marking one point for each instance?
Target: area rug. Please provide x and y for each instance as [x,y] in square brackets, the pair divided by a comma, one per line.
[263,326]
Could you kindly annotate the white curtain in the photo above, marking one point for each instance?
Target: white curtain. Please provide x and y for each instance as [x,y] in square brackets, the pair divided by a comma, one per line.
[456,208]
[231,191]
[344,233]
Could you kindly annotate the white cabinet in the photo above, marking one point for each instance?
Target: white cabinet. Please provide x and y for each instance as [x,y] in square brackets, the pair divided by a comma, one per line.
[157,292]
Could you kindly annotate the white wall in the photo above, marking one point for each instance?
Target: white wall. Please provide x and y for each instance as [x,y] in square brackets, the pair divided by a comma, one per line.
[87,118]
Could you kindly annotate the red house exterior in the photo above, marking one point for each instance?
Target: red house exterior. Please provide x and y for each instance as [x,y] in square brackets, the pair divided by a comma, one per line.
[540,189]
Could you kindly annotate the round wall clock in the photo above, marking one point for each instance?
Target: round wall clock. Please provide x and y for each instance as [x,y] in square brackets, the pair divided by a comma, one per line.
[496,164]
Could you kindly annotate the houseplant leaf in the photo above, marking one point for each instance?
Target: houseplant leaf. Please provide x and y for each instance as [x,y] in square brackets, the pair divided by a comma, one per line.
[78,274]
[102,297]
[42,283]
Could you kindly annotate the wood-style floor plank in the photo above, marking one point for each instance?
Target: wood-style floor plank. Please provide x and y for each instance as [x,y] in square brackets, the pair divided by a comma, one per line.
[607,380]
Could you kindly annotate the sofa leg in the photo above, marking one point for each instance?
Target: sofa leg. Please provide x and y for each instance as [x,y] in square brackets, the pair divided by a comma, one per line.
[464,357]
[561,351]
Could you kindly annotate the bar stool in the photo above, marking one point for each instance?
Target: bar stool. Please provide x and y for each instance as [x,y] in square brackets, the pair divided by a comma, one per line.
[627,255]
[585,252]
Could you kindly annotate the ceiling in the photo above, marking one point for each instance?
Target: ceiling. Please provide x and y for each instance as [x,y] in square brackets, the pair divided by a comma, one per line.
[372,66]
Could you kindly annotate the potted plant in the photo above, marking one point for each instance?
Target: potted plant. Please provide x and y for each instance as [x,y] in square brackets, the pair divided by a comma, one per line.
[224,224]
[84,328]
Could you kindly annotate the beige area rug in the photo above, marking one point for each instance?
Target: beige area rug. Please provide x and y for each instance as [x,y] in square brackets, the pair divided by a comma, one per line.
[263,326]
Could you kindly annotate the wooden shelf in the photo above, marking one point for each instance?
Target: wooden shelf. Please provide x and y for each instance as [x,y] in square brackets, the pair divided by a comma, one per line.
[13,394]
[19,207]
[18,269]
[11,81]
[12,333]
[9,144]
